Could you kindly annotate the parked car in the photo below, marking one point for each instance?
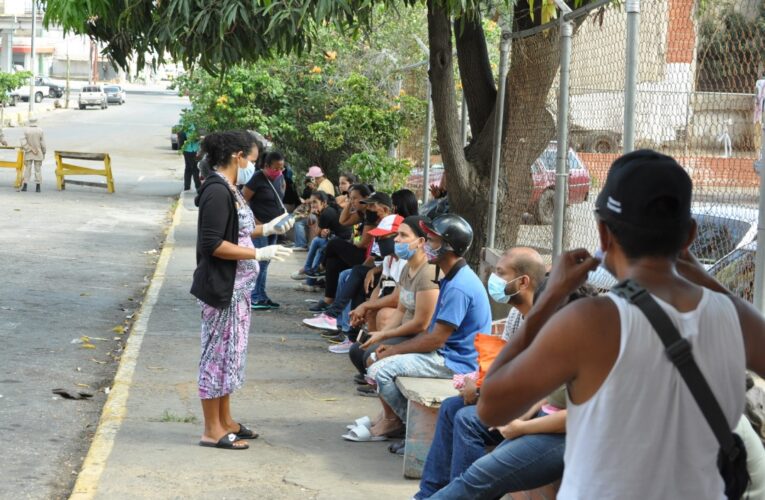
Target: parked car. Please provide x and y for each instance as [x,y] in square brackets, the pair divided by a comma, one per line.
[542,201]
[22,93]
[115,93]
[54,90]
[722,229]
[92,95]
[736,271]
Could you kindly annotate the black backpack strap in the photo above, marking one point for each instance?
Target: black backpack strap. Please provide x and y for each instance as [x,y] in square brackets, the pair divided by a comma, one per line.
[678,350]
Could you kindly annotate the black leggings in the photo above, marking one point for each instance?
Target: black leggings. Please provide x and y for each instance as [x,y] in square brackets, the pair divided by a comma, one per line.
[359,356]
[339,256]
[191,170]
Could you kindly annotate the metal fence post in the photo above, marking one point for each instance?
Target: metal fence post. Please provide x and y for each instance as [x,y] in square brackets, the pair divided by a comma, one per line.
[561,157]
[631,73]
[496,156]
[759,264]
[426,152]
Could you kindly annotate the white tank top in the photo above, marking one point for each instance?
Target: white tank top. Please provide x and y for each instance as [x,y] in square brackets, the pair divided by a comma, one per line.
[642,436]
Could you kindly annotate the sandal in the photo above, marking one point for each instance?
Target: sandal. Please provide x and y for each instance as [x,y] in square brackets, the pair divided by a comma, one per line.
[226,443]
[363,421]
[359,379]
[245,433]
[367,390]
[396,446]
[361,434]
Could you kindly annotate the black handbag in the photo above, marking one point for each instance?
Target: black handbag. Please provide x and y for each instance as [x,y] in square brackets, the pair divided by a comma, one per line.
[731,459]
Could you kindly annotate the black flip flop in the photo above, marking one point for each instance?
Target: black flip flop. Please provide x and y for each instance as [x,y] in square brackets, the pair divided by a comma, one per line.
[359,379]
[245,433]
[225,443]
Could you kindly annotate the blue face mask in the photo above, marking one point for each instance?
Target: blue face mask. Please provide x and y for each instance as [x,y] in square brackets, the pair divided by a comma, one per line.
[243,174]
[497,287]
[404,252]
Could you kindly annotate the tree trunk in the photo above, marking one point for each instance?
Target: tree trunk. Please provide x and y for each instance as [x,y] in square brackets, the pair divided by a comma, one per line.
[528,128]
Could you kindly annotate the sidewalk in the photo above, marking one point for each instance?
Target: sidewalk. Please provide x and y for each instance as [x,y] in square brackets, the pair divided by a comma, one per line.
[297,395]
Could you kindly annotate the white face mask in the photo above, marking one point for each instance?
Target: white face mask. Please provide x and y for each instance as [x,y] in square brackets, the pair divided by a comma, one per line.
[243,174]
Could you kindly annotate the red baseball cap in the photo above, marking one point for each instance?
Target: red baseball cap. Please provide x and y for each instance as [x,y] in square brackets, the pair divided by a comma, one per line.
[388,225]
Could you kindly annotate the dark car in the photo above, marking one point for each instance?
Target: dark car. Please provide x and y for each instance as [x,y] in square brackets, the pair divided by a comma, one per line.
[54,90]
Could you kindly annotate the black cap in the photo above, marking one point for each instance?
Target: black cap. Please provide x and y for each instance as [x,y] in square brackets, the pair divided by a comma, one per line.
[636,181]
[453,230]
[381,198]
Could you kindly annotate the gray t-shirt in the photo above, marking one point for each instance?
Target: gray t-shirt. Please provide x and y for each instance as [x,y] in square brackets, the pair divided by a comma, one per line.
[410,285]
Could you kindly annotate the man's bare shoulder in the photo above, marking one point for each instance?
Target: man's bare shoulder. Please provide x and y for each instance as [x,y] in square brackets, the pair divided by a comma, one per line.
[590,316]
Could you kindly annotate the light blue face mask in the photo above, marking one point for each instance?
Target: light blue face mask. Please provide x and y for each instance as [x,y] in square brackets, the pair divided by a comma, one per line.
[403,251]
[243,174]
[497,287]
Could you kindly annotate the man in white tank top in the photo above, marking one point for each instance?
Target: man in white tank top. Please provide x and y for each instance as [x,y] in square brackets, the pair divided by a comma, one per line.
[634,430]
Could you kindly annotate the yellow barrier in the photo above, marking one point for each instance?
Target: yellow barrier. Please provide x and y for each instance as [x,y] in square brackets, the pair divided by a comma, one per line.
[18,164]
[64,169]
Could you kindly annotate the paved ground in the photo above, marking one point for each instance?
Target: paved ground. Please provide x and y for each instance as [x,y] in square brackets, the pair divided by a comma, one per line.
[75,263]
[298,395]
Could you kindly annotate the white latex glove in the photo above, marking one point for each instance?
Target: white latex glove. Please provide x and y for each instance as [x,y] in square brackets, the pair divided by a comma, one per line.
[273,252]
[270,228]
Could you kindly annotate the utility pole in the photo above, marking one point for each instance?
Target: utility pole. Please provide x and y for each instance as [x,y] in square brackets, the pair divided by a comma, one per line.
[66,101]
[33,59]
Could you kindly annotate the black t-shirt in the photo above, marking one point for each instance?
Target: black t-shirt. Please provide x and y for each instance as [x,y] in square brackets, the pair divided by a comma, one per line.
[265,203]
[330,219]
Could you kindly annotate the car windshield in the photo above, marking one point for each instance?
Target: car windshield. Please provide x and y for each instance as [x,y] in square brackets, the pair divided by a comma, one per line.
[112,89]
[549,159]
[91,89]
[717,237]
[736,273]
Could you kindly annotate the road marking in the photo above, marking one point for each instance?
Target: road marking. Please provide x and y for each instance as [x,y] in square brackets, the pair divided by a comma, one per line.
[115,407]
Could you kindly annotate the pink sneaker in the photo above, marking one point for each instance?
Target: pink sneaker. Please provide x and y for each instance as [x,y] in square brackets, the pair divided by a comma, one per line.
[341,348]
[322,322]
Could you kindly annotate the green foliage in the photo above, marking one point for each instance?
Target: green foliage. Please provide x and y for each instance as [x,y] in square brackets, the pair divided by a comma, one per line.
[731,49]
[377,168]
[11,81]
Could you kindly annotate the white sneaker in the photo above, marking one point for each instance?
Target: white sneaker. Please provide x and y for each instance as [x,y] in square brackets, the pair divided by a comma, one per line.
[341,348]
[322,322]
[298,275]
[302,287]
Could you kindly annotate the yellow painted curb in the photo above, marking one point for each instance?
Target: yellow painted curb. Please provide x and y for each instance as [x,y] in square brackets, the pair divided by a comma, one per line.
[115,407]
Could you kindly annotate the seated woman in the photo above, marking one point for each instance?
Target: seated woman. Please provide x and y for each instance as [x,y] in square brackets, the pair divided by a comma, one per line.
[329,227]
[417,298]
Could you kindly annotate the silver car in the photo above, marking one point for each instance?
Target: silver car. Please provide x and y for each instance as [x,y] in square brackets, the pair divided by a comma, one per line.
[115,94]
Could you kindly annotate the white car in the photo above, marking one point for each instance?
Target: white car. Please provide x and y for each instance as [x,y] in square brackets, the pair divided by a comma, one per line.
[92,95]
[22,93]
[722,229]
[115,94]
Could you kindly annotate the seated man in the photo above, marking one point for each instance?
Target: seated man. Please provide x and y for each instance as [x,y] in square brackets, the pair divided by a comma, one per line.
[460,438]
[447,347]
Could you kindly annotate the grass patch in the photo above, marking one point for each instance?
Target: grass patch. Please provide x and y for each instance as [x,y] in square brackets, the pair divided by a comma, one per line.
[168,416]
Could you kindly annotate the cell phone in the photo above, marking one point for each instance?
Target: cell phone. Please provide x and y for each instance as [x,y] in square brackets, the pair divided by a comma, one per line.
[284,222]
[363,336]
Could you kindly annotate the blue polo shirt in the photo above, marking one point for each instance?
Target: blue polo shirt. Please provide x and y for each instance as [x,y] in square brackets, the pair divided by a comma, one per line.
[464,305]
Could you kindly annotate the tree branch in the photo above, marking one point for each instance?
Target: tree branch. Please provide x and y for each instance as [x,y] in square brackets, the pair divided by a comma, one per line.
[475,72]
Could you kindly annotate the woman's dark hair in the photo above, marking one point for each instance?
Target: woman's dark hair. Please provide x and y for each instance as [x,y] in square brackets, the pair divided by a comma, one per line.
[220,146]
[321,196]
[364,189]
[405,202]
[351,178]
[272,157]
[413,221]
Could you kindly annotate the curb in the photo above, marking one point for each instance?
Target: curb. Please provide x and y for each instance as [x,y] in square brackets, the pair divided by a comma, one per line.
[115,408]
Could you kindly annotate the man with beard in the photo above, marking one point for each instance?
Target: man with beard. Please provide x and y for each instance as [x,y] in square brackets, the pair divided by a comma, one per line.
[460,437]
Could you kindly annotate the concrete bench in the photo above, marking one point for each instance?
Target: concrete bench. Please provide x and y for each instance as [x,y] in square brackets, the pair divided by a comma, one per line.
[425,396]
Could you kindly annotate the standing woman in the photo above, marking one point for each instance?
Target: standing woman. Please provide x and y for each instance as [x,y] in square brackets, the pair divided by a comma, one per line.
[227,268]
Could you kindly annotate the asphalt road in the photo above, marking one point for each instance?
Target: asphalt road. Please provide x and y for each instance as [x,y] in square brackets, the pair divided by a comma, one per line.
[73,264]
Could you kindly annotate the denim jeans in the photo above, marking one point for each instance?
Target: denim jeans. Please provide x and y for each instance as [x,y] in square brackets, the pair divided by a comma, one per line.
[459,440]
[259,292]
[301,233]
[350,291]
[314,257]
[519,464]
[385,371]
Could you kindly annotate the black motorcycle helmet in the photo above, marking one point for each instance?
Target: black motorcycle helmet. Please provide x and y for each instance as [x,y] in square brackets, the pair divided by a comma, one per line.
[453,230]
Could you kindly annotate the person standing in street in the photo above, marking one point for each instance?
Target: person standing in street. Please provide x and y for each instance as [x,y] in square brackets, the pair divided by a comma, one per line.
[190,149]
[264,192]
[226,273]
[33,145]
